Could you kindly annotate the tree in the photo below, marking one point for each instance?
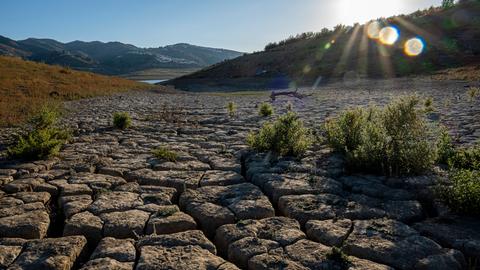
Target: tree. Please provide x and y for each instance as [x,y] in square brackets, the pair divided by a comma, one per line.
[448,3]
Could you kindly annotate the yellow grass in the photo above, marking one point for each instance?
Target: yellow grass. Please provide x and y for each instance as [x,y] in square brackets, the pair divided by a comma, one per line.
[25,86]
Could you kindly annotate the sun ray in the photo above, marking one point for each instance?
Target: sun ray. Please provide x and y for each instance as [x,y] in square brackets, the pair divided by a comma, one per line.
[362,64]
[341,65]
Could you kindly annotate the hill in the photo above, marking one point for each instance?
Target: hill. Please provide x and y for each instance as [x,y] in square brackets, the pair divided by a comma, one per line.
[113,58]
[26,85]
[451,38]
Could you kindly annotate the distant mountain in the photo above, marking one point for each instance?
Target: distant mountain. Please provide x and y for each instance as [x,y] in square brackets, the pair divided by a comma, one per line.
[451,38]
[113,58]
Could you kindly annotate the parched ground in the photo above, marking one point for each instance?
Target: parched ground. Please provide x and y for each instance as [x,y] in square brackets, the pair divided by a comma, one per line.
[107,203]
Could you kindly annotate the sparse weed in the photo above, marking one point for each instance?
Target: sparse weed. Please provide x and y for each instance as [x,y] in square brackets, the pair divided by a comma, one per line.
[265,109]
[286,136]
[231,108]
[473,94]
[165,154]
[122,120]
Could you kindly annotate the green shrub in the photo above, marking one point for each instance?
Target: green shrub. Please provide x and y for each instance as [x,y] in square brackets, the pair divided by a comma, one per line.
[338,256]
[165,154]
[465,158]
[394,140]
[122,120]
[446,149]
[265,109]
[43,138]
[231,108]
[463,195]
[286,136]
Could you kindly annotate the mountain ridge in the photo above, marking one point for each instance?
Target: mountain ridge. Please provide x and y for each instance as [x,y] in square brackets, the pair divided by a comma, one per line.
[114,57]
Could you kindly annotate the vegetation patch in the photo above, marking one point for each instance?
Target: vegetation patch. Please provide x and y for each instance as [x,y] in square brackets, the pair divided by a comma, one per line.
[286,136]
[122,120]
[43,138]
[163,153]
[265,109]
[465,158]
[463,193]
[394,140]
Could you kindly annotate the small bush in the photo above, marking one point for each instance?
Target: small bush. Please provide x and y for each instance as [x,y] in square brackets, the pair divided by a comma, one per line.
[122,120]
[429,105]
[472,94]
[338,256]
[265,109]
[165,154]
[465,158]
[463,195]
[394,140]
[286,136]
[44,139]
[231,108]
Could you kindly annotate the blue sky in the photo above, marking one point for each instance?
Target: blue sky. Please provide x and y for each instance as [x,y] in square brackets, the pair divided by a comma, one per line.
[244,25]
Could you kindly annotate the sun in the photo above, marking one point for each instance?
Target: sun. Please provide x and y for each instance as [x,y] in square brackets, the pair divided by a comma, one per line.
[353,11]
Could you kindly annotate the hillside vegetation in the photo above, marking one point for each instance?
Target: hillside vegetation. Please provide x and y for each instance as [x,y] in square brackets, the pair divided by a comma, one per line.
[451,37]
[25,86]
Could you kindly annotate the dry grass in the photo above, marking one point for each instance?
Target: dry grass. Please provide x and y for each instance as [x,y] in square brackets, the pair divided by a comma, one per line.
[468,73]
[25,86]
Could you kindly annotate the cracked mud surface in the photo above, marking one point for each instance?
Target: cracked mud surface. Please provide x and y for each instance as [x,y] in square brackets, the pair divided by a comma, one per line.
[107,203]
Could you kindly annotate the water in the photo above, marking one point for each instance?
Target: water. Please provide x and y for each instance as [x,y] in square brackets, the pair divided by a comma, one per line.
[152,81]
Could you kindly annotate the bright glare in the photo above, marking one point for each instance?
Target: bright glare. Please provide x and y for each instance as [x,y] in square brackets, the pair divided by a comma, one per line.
[414,47]
[388,35]
[351,11]
[373,30]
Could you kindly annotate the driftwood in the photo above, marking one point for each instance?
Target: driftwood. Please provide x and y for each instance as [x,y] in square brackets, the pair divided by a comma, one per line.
[293,94]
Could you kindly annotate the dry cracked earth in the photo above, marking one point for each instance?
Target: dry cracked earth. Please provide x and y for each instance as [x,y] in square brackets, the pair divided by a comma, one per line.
[107,203]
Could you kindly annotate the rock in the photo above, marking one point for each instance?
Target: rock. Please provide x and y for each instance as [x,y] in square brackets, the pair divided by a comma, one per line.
[283,231]
[107,263]
[210,216]
[187,238]
[32,197]
[51,253]
[306,207]
[239,252]
[277,262]
[122,250]
[8,254]
[124,224]
[221,178]
[30,225]
[329,232]
[86,224]
[456,232]
[392,243]
[21,209]
[217,205]
[169,219]
[177,257]
[114,201]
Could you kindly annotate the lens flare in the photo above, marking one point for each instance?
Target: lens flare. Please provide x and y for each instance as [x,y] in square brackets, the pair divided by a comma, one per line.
[389,35]
[373,30]
[414,46]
